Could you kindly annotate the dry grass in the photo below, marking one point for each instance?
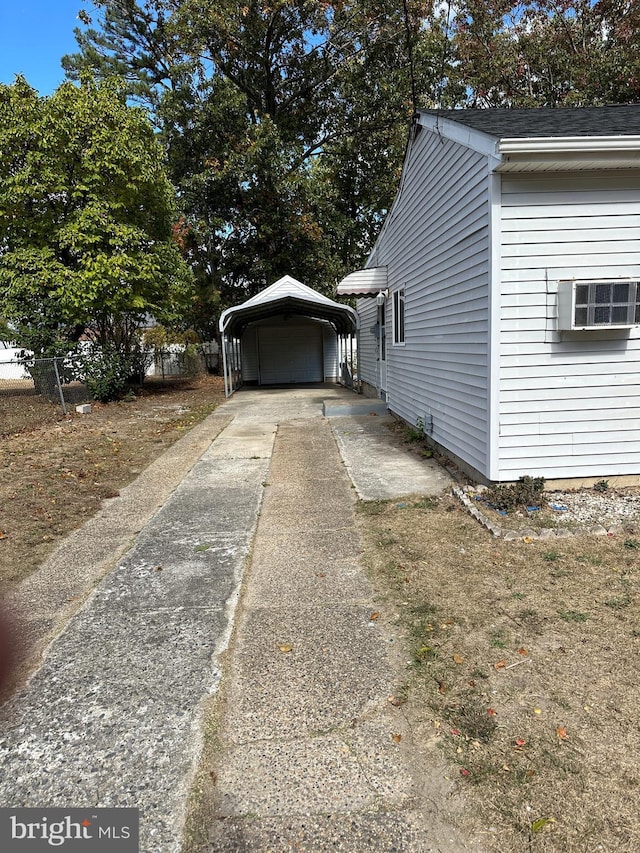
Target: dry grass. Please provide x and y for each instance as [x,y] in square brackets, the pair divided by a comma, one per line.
[524,672]
[56,471]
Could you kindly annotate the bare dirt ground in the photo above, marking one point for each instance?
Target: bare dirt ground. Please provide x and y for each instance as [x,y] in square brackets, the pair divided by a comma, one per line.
[522,671]
[55,471]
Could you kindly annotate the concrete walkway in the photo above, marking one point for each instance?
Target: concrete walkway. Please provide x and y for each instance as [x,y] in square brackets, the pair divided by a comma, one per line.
[114,715]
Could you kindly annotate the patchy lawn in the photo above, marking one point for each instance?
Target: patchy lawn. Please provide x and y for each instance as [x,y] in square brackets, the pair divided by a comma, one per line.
[55,471]
[523,668]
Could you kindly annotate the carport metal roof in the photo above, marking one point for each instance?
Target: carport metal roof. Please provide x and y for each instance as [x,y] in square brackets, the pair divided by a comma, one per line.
[288,296]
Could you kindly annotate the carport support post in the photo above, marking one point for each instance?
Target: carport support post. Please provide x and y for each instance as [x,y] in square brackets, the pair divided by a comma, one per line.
[353,382]
[238,363]
[227,392]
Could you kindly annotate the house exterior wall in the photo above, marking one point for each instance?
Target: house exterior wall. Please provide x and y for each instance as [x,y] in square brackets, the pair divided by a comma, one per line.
[367,344]
[569,402]
[435,244]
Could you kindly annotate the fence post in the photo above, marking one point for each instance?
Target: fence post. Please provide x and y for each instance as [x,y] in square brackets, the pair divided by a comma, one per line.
[62,402]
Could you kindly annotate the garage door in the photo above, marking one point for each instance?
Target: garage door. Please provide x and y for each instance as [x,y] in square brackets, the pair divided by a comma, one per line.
[290,354]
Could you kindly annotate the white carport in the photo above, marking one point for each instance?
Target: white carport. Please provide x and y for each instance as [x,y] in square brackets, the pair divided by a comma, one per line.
[288,333]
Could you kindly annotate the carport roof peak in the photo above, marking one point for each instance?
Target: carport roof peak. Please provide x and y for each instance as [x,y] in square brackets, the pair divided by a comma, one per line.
[288,295]
[287,285]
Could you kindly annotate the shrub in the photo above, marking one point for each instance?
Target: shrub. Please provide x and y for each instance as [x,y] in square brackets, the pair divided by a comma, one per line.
[106,372]
[528,491]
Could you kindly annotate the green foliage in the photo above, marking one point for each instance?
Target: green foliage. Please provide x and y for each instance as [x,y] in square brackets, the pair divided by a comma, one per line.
[528,491]
[415,433]
[106,372]
[86,214]
[527,53]
[601,486]
[285,124]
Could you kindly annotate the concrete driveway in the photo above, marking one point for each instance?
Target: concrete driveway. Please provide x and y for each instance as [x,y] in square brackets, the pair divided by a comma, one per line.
[142,602]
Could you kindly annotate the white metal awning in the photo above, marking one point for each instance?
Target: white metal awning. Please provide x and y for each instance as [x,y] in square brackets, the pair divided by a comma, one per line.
[367,282]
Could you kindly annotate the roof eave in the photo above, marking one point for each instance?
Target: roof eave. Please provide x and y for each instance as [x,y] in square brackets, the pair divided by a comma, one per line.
[563,144]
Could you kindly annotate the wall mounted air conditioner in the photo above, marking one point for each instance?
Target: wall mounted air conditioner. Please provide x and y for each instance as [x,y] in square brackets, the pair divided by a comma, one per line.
[587,304]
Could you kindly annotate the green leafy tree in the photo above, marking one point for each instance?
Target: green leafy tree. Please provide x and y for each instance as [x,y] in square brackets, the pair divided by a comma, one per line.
[261,105]
[549,52]
[86,217]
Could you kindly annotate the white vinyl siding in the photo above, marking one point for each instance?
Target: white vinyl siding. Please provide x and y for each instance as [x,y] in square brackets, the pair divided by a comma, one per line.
[569,401]
[330,353]
[435,243]
[250,355]
[367,344]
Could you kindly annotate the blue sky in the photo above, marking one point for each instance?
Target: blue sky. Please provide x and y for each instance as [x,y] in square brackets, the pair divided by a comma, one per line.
[34,36]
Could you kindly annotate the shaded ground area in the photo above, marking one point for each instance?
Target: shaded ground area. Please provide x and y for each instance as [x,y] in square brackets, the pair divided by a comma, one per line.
[55,471]
[522,671]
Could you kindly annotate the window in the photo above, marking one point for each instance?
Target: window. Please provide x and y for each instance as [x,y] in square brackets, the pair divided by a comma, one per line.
[598,304]
[398,316]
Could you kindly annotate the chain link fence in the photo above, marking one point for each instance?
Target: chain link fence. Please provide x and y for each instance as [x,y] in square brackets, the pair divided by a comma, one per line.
[40,377]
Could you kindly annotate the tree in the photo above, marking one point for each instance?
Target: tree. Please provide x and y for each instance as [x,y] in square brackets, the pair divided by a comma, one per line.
[86,216]
[549,52]
[285,122]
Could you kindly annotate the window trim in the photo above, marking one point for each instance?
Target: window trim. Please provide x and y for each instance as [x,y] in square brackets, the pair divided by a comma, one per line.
[399,317]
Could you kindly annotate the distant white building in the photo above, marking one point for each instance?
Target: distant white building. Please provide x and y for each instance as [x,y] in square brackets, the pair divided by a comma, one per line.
[500,306]
[10,368]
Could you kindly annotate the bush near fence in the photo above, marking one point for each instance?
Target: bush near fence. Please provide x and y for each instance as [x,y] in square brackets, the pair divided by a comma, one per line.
[48,378]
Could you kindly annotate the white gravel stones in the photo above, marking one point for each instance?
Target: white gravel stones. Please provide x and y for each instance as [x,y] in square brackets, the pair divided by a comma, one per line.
[590,507]
[586,511]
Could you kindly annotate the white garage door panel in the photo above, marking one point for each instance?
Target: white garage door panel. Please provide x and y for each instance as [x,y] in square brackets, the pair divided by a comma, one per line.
[290,354]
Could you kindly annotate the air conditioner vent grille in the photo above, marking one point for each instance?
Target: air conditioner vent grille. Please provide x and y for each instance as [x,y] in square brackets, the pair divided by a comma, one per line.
[598,304]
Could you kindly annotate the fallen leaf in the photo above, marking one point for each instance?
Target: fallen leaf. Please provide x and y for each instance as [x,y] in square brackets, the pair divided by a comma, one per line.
[540,823]
[528,540]
[396,737]
[375,615]
[396,701]
[491,712]
[158,569]
[455,732]
[3,534]
[537,710]
[459,750]
[464,771]
[520,742]
[562,733]
[522,651]
[442,687]
[500,665]
[285,647]
[506,768]
[458,659]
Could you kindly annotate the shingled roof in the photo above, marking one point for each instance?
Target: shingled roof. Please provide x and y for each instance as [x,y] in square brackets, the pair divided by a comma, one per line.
[623,120]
